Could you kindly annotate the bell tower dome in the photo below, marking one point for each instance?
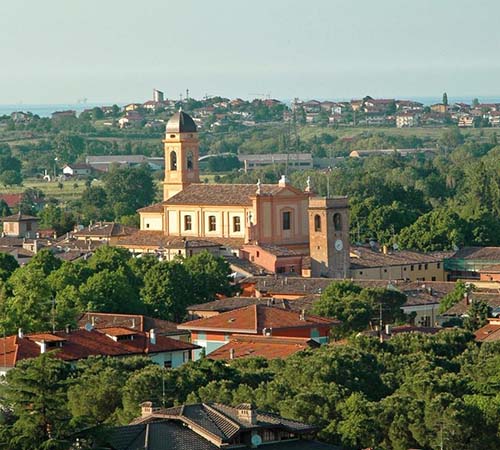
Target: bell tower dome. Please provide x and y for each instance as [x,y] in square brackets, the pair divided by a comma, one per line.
[181,154]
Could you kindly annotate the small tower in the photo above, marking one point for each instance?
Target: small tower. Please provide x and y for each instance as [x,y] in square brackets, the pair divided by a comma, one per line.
[181,154]
[329,244]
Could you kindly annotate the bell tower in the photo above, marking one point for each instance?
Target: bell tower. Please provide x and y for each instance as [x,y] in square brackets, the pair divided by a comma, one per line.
[181,154]
[329,243]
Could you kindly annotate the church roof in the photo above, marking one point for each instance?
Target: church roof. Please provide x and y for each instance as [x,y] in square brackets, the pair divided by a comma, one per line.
[221,194]
[181,122]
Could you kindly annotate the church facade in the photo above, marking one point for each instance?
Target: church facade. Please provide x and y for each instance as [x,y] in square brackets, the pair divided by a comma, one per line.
[235,215]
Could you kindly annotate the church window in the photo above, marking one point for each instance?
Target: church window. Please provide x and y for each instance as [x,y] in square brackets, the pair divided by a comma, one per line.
[337,222]
[172,136]
[190,161]
[317,222]
[173,161]
[212,223]
[287,223]
[187,223]
[236,224]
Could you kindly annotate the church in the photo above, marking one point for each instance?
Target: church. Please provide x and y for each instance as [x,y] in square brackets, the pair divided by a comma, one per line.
[252,221]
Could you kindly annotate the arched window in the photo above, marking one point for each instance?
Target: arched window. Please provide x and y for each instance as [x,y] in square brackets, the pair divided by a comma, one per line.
[317,222]
[337,222]
[212,223]
[190,160]
[187,223]
[173,161]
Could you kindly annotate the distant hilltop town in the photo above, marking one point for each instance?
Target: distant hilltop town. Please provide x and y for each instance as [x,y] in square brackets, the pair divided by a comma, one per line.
[211,113]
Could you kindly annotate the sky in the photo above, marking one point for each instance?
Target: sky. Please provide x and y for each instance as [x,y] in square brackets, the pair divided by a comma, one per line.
[60,51]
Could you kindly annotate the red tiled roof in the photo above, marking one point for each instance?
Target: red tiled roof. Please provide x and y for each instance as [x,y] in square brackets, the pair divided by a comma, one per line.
[490,332]
[221,194]
[11,199]
[268,347]
[80,344]
[254,318]
[132,321]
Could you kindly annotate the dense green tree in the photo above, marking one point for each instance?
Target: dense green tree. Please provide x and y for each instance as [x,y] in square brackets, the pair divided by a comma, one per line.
[45,261]
[128,189]
[477,315]
[4,209]
[8,265]
[459,292]
[36,392]
[10,178]
[167,290]
[209,276]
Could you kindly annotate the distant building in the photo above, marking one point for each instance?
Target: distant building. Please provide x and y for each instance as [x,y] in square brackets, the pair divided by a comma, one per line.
[106,232]
[104,163]
[77,170]
[406,120]
[296,161]
[64,115]
[472,263]
[20,225]
[158,96]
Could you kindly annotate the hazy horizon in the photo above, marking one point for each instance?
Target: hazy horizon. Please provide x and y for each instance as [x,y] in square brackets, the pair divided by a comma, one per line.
[117,51]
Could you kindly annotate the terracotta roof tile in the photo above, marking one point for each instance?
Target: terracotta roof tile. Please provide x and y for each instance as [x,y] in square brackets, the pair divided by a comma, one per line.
[268,347]
[221,194]
[80,344]
[254,318]
[156,239]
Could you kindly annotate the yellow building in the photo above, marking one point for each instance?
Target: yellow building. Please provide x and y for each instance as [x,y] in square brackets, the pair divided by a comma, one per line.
[231,214]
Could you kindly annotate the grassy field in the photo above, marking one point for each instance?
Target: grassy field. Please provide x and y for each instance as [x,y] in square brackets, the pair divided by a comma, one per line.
[71,190]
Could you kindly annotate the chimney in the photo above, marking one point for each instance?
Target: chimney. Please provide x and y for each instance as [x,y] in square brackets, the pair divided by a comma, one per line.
[388,329]
[146,409]
[43,347]
[247,413]
[467,298]
[231,353]
[302,315]
[20,333]
[384,249]
[152,336]
[68,329]
[133,322]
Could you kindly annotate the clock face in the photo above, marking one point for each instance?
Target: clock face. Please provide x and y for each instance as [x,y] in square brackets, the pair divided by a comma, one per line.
[339,245]
[256,440]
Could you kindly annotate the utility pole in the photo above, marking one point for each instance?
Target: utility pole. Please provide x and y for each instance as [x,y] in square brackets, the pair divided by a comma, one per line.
[380,323]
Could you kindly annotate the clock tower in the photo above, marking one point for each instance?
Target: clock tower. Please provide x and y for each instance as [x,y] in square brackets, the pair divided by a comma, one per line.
[329,243]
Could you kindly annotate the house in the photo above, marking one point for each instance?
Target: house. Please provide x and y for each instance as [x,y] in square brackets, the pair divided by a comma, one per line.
[409,105]
[77,170]
[460,309]
[20,225]
[138,322]
[494,118]
[216,331]
[74,345]
[406,120]
[211,426]
[108,232]
[132,107]
[466,121]
[439,108]
[489,332]
[213,308]
[268,347]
